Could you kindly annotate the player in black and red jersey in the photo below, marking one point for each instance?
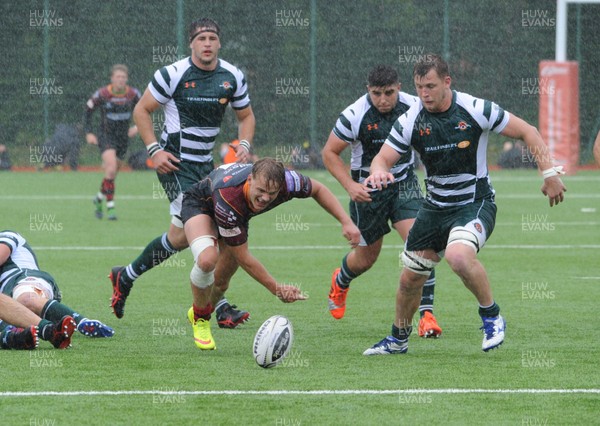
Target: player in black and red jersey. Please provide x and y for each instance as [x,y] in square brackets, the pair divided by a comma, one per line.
[115,102]
[216,212]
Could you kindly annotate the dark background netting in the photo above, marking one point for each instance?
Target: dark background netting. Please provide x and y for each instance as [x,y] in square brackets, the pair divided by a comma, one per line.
[66,48]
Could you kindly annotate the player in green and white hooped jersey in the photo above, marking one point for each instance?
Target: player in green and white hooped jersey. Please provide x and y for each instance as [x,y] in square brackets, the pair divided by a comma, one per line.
[364,126]
[194,93]
[22,279]
[450,132]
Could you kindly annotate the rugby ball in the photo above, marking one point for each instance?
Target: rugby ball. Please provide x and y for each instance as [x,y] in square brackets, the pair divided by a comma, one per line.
[273,341]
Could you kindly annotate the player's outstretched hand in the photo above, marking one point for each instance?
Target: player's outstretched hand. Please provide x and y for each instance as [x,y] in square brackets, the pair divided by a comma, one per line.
[289,293]
[165,162]
[554,189]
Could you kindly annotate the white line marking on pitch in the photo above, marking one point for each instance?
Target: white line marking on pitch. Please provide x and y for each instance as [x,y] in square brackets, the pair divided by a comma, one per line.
[307,392]
[491,246]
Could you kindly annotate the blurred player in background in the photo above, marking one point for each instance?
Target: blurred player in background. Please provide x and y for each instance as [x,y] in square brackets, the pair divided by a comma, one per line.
[22,279]
[450,131]
[194,93]
[216,213]
[115,102]
[21,329]
[363,126]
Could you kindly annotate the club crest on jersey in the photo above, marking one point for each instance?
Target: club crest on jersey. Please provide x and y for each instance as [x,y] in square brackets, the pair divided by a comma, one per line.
[462,126]
[424,129]
[478,227]
[226,85]
[463,144]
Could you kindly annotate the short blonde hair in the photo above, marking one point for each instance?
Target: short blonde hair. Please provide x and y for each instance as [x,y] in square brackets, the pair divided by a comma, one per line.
[119,67]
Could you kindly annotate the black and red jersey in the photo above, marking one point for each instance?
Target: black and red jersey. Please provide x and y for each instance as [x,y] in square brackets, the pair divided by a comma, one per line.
[225,201]
[115,110]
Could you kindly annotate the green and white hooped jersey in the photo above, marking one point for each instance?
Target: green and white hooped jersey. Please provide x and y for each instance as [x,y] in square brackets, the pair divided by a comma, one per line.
[453,146]
[21,265]
[21,255]
[194,103]
[366,129]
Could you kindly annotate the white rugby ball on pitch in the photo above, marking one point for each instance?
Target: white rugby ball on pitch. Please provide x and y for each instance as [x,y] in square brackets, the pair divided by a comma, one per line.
[273,341]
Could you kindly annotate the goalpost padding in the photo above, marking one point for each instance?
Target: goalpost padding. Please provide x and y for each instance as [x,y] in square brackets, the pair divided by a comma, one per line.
[559,111]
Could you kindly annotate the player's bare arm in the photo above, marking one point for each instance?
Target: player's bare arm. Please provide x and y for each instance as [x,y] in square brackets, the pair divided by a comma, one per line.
[246,126]
[335,165]
[142,115]
[380,167]
[330,203]
[4,253]
[286,293]
[553,186]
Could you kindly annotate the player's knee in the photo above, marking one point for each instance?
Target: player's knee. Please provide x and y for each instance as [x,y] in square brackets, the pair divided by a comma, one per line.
[200,278]
[460,258]
[205,259]
[205,252]
[33,287]
[415,262]
[207,262]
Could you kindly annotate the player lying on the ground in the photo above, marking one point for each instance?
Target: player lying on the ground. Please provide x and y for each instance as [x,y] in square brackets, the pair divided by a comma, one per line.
[21,328]
[22,279]
[216,212]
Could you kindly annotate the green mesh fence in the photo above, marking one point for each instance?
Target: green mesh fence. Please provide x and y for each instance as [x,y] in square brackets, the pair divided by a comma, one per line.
[305,60]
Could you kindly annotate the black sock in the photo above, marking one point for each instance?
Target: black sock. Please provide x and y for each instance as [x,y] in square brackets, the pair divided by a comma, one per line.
[491,311]
[401,333]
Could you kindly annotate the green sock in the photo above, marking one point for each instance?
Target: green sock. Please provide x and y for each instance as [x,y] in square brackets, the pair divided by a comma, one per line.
[54,311]
[156,252]
[345,276]
[45,330]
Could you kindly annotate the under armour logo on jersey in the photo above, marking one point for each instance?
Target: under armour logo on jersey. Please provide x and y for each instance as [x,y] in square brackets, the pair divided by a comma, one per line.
[190,84]
[373,126]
